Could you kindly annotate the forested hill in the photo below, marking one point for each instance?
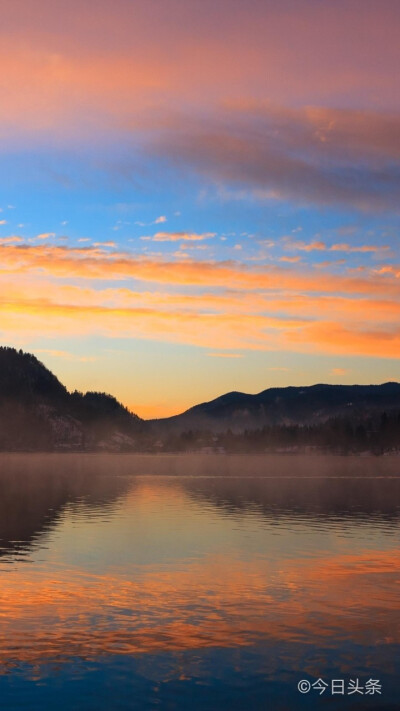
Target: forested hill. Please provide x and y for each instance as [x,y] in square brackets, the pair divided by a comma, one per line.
[288,406]
[38,413]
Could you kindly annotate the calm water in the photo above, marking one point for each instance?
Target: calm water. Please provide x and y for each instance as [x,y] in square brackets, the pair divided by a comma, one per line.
[198,583]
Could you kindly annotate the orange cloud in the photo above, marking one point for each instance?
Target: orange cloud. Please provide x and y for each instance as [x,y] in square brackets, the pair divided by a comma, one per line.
[340,339]
[10,240]
[290,260]
[222,306]
[96,263]
[342,247]
[304,247]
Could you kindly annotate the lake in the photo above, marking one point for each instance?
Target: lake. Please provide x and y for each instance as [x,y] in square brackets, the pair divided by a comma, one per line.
[199,582]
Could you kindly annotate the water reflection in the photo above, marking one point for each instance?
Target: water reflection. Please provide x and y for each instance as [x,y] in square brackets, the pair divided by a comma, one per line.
[35,490]
[180,591]
[313,497]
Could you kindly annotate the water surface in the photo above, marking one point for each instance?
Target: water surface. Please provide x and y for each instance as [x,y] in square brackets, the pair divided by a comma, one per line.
[131,582]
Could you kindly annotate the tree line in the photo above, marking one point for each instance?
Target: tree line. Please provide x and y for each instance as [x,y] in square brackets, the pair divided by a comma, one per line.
[377,434]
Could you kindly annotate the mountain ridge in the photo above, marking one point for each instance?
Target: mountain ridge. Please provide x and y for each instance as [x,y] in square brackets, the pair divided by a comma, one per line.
[38,413]
[285,405]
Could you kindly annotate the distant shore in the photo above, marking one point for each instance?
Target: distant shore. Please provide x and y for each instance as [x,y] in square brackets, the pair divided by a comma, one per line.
[192,464]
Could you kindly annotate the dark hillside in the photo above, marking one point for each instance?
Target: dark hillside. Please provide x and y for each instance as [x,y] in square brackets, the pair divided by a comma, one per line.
[38,413]
[285,406]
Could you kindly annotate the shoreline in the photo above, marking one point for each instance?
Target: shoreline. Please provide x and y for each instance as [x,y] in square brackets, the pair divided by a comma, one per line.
[317,466]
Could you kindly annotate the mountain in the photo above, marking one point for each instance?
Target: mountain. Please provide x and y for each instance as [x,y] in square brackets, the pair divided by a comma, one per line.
[38,413]
[285,407]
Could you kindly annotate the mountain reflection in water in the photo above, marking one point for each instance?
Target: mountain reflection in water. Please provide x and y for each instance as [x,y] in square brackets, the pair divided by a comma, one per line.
[134,582]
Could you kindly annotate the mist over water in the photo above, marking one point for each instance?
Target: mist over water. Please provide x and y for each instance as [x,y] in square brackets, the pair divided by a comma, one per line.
[202,582]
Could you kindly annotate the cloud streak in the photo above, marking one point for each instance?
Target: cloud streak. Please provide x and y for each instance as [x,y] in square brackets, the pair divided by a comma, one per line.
[310,156]
[220,306]
[338,247]
[179,237]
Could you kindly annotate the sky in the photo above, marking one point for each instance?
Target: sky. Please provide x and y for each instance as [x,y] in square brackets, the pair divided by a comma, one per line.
[199,197]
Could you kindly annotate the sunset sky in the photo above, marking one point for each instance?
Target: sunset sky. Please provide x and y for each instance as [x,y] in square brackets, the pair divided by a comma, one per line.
[200,196]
